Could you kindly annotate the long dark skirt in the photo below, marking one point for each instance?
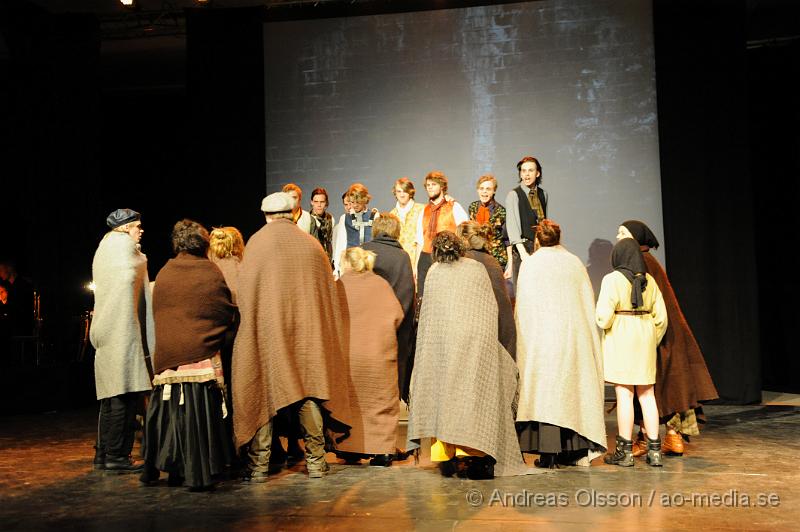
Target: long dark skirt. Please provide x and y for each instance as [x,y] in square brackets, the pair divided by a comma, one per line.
[536,437]
[189,440]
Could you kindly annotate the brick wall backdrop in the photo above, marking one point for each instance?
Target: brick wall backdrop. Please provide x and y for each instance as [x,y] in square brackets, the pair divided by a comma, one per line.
[469,91]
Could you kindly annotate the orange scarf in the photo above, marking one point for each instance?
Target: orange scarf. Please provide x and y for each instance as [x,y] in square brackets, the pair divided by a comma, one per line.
[437,218]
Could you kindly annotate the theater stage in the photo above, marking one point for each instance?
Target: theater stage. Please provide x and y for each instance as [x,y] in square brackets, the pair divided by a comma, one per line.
[740,473]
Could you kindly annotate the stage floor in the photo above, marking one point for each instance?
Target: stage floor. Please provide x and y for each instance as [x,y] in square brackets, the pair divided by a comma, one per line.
[740,473]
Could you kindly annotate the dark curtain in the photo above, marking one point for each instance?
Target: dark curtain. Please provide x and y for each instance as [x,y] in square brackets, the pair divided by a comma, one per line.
[706,184]
[225,89]
[775,163]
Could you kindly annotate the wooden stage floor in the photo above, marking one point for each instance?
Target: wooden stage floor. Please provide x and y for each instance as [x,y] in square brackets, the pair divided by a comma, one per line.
[741,473]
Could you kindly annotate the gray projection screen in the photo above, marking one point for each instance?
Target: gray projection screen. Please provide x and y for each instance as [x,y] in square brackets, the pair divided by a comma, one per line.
[471,91]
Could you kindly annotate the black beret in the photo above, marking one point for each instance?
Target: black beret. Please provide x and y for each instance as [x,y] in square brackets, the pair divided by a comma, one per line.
[122,217]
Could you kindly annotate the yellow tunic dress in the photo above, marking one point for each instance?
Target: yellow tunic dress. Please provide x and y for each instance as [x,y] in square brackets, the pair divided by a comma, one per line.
[630,341]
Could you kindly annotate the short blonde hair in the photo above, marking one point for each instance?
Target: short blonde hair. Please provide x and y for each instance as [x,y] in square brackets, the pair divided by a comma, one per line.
[487,177]
[358,193]
[405,185]
[226,242]
[359,259]
[386,224]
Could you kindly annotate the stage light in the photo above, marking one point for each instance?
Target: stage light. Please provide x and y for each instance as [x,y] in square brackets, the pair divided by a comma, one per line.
[128,3]
[90,286]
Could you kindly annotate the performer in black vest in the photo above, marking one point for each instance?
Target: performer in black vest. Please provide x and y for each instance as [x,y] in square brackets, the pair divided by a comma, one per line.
[525,206]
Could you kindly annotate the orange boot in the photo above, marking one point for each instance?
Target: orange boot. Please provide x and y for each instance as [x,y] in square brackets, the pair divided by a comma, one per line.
[673,444]
[639,445]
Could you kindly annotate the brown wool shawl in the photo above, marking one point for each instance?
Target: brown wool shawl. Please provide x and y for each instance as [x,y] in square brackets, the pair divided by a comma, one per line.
[192,309]
[682,378]
[375,315]
[293,338]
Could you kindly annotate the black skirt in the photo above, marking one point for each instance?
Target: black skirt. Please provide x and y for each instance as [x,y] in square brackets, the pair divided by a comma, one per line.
[190,440]
[536,437]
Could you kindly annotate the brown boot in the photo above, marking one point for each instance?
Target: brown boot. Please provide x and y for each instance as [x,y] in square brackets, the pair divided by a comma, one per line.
[673,444]
[639,445]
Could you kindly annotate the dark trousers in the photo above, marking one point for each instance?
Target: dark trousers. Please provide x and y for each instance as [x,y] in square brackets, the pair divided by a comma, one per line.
[517,260]
[423,265]
[116,426]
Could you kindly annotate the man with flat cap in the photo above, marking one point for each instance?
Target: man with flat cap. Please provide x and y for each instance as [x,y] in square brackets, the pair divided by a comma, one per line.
[122,334]
[291,350]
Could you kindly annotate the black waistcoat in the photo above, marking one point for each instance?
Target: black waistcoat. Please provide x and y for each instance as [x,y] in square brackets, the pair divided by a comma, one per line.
[527,216]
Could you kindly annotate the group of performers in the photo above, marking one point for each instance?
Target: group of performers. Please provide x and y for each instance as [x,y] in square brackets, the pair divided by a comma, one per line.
[316,330]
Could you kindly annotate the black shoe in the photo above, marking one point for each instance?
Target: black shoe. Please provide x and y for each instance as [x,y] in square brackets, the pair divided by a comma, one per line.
[382,460]
[175,480]
[99,462]
[448,468]
[122,464]
[349,458]
[546,461]
[149,476]
[481,468]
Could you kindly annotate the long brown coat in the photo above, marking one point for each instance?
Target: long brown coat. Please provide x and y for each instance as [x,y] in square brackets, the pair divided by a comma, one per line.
[682,378]
[293,338]
[393,264]
[375,315]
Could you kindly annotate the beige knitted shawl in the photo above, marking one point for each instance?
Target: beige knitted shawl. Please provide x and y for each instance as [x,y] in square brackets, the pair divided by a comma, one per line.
[464,385]
[558,345]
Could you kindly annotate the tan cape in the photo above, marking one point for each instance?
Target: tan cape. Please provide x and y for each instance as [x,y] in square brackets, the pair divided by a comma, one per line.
[375,315]
[293,338]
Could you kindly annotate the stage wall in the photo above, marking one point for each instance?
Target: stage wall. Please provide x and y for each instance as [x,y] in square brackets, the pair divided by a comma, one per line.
[469,91]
